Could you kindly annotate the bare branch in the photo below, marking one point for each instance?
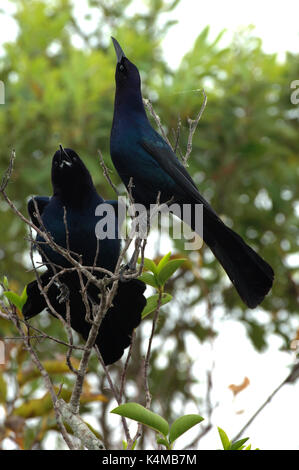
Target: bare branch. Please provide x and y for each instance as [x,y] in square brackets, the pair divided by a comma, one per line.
[148,398]
[148,104]
[79,428]
[193,123]
[106,173]
[290,379]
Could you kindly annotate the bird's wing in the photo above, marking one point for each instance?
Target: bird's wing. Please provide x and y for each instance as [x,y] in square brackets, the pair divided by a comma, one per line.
[41,202]
[35,302]
[169,162]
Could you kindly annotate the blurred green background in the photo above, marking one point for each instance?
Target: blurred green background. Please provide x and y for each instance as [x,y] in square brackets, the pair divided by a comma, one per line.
[244,159]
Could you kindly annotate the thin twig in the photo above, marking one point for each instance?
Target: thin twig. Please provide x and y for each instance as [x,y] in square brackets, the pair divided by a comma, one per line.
[193,123]
[106,173]
[290,379]
[148,397]
[148,104]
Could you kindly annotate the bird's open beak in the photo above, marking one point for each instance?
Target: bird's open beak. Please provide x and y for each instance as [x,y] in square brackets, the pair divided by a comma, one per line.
[64,155]
[119,52]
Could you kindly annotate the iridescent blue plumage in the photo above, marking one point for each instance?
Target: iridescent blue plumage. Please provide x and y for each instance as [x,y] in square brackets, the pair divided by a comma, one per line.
[140,153]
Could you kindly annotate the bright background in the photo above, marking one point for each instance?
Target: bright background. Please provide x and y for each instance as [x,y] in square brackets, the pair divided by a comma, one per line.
[234,355]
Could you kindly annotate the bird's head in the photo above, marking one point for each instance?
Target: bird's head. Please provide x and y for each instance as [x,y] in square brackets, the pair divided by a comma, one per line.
[69,174]
[126,74]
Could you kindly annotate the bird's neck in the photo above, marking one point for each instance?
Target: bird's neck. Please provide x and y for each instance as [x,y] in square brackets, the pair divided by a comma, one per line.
[76,196]
[128,102]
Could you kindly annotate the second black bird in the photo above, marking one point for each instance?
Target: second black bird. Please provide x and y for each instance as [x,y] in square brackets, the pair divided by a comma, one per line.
[69,217]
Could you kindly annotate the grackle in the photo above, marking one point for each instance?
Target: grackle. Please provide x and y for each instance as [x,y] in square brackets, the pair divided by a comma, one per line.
[69,216]
[140,153]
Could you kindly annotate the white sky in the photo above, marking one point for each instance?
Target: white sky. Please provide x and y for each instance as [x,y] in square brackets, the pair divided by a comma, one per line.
[277,427]
[276,23]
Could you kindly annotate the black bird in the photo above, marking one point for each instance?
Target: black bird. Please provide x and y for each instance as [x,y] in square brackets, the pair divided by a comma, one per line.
[73,190]
[139,152]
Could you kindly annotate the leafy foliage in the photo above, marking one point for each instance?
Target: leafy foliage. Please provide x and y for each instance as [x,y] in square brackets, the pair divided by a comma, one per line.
[161,272]
[154,421]
[237,445]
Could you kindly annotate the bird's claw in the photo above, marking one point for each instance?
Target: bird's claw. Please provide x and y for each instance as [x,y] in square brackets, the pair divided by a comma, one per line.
[64,294]
[128,268]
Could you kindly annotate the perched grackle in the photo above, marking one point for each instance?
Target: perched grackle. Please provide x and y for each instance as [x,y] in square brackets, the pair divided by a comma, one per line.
[140,153]
[69,216]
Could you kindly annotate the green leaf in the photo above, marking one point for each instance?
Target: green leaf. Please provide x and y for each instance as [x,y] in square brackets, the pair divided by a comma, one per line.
[164,442]
[149,279]
[183,424]
[24,296]
[149,265]
[14,298]
[163,261]
[152,302]
[236,445]
[224,439]
[140,414]
[168,270]
[5,282]
[134,444]
[3,389]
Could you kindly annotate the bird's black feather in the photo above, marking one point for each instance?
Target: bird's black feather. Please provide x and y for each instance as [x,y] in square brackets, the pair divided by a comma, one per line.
[74,201]
[140,153]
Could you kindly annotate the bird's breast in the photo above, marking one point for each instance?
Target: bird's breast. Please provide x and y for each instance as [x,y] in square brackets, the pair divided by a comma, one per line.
[78,232]
[132,162]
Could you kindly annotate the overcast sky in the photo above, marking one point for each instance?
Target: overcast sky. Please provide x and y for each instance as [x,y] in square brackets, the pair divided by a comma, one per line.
[276,22]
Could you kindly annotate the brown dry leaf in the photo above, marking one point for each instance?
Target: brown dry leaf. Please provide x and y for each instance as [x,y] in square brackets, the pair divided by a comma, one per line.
[19,440]
[297,335]
[294,344]
[238,388]
[37,90]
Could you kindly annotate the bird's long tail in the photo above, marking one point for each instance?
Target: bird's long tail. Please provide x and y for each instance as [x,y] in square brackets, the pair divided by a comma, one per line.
[250,274]
[117,327]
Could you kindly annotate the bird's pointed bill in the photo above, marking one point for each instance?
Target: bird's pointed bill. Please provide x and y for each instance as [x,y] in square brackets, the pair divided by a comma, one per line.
[64,156]
[118,50]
